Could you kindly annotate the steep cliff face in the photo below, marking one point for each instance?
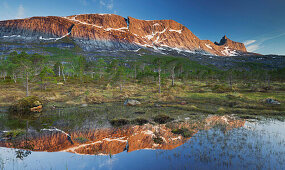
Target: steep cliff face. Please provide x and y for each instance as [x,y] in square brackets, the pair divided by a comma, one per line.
[113,32]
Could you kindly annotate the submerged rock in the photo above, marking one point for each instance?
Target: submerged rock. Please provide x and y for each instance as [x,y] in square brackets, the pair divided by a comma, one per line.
[272,101]
[131,102]
[27,105]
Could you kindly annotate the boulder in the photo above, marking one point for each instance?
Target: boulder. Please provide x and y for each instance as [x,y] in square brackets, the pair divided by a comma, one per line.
[131,102]
[27,105]
[272,101]
[156,105]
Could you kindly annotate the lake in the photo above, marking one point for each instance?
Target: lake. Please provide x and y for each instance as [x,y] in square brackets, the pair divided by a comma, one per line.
[83,138]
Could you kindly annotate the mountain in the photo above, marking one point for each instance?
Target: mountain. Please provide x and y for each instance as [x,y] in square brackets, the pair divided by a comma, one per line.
[93,32]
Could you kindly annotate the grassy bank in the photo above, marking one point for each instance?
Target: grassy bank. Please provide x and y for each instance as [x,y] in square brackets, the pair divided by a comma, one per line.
[192,96]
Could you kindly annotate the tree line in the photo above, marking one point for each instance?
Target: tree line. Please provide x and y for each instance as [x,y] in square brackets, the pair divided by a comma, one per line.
[37,69]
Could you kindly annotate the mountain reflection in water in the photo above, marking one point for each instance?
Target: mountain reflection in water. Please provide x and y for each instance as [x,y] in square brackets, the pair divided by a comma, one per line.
[107,141]
[216,142]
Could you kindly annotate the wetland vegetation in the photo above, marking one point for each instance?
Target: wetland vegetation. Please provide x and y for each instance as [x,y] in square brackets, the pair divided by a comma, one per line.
[166,107]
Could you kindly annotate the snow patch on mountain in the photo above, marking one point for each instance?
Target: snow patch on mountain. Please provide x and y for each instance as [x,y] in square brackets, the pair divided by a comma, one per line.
[178,31]
[154,34]
[209,46]
[11,36]
[56,39]
[228,52]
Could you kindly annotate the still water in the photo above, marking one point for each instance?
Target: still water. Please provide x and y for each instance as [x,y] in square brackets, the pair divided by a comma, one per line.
[215,142]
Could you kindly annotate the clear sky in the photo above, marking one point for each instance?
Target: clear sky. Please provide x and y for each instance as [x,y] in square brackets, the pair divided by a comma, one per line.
[260,24]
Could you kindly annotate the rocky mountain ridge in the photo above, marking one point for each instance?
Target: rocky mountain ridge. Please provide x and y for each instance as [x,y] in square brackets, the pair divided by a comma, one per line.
[93,32]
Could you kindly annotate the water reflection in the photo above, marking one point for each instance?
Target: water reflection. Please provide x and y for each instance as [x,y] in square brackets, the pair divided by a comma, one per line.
[83,139]
[109,141]
[221,143]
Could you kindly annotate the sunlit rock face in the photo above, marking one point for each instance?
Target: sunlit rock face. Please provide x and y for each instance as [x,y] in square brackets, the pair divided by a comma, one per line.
[115,140]
[112,32]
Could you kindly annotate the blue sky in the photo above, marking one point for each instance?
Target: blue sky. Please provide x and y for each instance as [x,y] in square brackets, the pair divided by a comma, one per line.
[260,24]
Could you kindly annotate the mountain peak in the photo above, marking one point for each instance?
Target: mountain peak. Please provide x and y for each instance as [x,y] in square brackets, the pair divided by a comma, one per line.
[94,32]
[223,40]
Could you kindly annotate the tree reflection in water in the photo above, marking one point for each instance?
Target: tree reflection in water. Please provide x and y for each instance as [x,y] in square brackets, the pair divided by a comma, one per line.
[21,154]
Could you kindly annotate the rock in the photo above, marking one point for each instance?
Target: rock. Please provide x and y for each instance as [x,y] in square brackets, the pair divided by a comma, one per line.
[131,102]
[27,105]
[156,105]
[37,109]
[84,105]
[272,101]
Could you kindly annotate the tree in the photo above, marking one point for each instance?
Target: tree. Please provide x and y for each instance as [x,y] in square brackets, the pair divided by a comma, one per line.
[158,62]
[112,68]
[3,69]
[46,76]
[79,65]
[120,76]
[57,68]
[172,64]
[12,70]
[24,63]
[100,67]
[37,61]
[113,65]
[135,65]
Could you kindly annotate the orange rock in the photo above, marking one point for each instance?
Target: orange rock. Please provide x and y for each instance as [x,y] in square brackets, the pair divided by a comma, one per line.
[37,109]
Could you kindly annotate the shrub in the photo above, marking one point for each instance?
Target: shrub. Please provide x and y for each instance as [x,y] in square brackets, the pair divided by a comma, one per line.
[178,131]
[187,134]
[221,88]
[161,119]
[140,121]
[221,110]
[193,107]
[119,122]
[183,131]
[157,140]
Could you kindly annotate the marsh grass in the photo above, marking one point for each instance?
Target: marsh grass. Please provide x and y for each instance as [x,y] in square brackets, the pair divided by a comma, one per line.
[199,96]
[14,133]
